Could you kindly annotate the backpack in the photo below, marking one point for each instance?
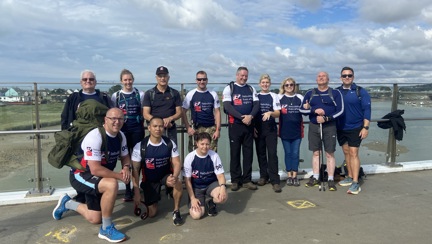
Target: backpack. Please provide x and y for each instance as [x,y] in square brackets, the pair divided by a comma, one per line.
[231,85]
[152,94]
[67,148]
[343,171]
[330,93]
[138,98]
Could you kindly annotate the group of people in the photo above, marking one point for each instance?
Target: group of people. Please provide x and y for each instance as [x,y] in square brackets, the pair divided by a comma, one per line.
[153,161]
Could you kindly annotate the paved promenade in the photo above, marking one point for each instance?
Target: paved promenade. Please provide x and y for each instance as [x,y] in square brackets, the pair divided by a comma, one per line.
[392,208]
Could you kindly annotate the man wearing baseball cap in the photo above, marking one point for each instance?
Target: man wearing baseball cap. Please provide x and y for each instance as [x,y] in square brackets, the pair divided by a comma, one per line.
[163,101]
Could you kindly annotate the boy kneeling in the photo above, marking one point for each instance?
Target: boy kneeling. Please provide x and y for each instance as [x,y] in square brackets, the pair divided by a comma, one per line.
[205,177]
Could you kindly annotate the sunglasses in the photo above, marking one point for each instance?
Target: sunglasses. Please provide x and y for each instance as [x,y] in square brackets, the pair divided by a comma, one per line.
[201,79]
[88,79]
[287,85]
[345,76]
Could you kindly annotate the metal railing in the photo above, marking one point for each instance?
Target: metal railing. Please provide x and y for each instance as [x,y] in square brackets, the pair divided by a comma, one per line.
[38,134]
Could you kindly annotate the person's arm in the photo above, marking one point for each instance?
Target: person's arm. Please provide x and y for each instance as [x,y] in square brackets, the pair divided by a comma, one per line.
[97,169]
[229,108]
[146,113]
[222,196]
[185,120]
[217,116]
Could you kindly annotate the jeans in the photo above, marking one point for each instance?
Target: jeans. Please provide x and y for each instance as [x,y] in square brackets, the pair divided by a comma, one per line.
[292,154]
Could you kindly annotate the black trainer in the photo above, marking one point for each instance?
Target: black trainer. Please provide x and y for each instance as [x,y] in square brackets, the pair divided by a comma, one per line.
[331,185]
[177,219]
[312,182]
[211,206]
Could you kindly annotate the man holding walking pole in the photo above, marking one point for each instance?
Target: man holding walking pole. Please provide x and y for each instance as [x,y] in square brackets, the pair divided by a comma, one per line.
[323,105]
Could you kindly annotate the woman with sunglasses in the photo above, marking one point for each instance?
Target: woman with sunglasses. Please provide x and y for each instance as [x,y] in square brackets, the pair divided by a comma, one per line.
[266,135]
[291,128]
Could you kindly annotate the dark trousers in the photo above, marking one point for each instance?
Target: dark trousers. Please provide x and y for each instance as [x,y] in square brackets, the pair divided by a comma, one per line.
[266,149]
[241,139]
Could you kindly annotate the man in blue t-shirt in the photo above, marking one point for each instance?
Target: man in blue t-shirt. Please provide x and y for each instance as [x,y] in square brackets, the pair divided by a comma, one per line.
[323,105]
[204,110]
[241,104]
[160,165]
[353,126]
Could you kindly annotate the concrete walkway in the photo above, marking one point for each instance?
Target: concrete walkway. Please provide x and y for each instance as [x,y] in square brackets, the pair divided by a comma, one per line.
[392,208]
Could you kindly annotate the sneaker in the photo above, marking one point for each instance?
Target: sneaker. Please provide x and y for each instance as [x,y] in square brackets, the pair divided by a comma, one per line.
[354,189]
[60,209]
[277,188]
[235,187]
[250,186]
[331,185]
[177,219]
[346,182]
[289,181]
[211,206]
[296,182]
[128,196]
[312,182]
[111,234]
[262,181]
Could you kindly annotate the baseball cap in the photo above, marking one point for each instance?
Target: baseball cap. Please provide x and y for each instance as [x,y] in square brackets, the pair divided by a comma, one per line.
[161,70]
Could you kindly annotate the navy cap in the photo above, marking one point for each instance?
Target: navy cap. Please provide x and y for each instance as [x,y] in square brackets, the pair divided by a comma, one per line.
[161,70]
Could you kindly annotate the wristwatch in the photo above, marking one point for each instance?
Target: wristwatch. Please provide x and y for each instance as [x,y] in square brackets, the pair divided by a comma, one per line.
[366,127]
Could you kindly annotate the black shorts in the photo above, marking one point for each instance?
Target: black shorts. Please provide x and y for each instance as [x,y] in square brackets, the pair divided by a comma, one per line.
[201,194]
[352,137]
[152,190]
[328,137]
[87,183]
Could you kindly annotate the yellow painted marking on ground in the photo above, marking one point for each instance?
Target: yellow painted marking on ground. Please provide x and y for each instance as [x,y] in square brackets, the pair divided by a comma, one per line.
[301,204]
[63,234]
[173,237]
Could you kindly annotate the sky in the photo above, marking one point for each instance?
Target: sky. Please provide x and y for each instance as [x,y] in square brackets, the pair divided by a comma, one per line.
[385,41]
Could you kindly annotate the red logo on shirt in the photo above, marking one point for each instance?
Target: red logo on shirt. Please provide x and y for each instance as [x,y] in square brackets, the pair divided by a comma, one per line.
[89,152]
[237,100]
[197,106]
[150,163]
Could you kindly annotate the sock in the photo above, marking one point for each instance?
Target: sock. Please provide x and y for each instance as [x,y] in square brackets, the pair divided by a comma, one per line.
[331,178]
[106,222]
[316,176]
[72,205]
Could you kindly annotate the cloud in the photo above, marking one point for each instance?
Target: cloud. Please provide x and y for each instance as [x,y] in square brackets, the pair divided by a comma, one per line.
[389,11]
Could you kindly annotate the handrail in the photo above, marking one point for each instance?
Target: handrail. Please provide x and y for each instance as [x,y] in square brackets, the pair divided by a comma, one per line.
[390,155]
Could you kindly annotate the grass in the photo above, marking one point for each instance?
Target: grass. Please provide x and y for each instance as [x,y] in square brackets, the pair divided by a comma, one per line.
[23,117]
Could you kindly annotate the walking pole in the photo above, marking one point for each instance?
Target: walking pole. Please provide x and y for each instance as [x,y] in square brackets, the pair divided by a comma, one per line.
[321,159]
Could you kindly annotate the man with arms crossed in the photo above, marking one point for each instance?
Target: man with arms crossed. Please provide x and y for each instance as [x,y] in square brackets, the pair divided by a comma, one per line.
[353,127]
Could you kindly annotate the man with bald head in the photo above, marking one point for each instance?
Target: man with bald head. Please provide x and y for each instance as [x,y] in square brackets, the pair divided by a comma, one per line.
[99,181]
[324,105]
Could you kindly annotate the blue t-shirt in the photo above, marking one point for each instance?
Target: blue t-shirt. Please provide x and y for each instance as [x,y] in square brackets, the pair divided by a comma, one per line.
[202,105]
[291,120]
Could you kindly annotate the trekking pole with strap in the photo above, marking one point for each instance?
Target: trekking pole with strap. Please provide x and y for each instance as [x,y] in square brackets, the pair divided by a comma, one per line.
[321,159]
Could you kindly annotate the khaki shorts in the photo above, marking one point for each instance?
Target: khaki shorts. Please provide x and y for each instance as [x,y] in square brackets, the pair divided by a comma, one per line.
[211,130]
